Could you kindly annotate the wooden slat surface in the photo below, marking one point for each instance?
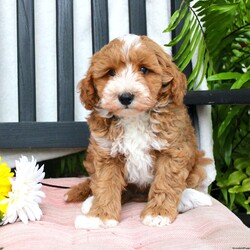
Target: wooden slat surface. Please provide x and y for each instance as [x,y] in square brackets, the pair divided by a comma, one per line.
[44,135]
[100,29]
[26,60]
[65,60]
[137,17]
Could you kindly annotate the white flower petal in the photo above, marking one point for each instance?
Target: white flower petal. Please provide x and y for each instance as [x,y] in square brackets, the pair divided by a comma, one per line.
[33,160]
[37,186]
[36,211]
[29,213]
[37,199]
[39,174]
[10,216]
[22,216]
[40,194]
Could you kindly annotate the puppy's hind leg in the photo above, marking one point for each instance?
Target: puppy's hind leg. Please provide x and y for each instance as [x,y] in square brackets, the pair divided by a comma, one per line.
[192,198]
[78,193]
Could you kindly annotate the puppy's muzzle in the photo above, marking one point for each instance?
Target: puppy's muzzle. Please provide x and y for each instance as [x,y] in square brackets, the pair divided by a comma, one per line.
[126,98]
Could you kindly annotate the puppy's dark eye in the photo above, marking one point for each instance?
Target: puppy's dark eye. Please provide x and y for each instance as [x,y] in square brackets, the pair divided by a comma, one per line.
[111,72]
[144,70]
[165,84]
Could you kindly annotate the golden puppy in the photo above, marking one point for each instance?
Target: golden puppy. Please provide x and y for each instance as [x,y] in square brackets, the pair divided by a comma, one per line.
[142,143]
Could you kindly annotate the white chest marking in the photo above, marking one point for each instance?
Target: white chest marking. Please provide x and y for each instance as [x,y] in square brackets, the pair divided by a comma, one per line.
[135,144]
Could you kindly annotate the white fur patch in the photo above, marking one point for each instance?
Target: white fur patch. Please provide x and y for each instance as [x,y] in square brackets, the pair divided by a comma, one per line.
[135,144]
[86,222]
[156,221]
[130,40]
[87,204]
[192,198]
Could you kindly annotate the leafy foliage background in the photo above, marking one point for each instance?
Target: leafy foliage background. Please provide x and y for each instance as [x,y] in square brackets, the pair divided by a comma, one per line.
[218,33]
[66,166]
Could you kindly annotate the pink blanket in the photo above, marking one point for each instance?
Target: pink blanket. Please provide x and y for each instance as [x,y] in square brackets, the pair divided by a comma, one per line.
[201,228]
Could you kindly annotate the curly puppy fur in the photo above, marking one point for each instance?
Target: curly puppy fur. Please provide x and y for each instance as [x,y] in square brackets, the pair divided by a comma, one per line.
[142,143]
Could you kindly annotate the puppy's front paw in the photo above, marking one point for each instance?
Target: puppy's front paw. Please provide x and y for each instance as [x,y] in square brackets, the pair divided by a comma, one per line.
[156,221]
[87,222]
[157,216]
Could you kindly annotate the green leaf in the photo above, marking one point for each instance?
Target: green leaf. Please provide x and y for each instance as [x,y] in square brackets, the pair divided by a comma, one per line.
[228,153]
[225,140]
[247,201]
[184,48]
[236,178]
[223,8]
[248,170]
[183,51]
[221,182]
[231,199]
[241,163]
[194,42]
[234,190]
[232,113]
[241,199]
[225,194]
[204,70]
[241,81]
[197,68]
[172,21]
[245,185]
[62,165]
[200,4]
[182,33]
[212,16]
[224,76]
[176,19]
[190,50]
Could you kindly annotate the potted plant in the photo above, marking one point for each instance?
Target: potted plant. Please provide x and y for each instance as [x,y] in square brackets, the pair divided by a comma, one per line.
[219,32]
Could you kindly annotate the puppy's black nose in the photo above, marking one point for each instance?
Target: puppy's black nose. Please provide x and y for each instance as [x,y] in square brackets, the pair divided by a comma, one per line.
[126,98]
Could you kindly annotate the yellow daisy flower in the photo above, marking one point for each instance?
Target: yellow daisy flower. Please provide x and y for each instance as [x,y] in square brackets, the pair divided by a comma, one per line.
[5,185]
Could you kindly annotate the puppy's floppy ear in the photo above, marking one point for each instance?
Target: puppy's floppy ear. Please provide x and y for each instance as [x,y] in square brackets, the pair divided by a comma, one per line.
[178,84]
[88,93]
[173,81]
